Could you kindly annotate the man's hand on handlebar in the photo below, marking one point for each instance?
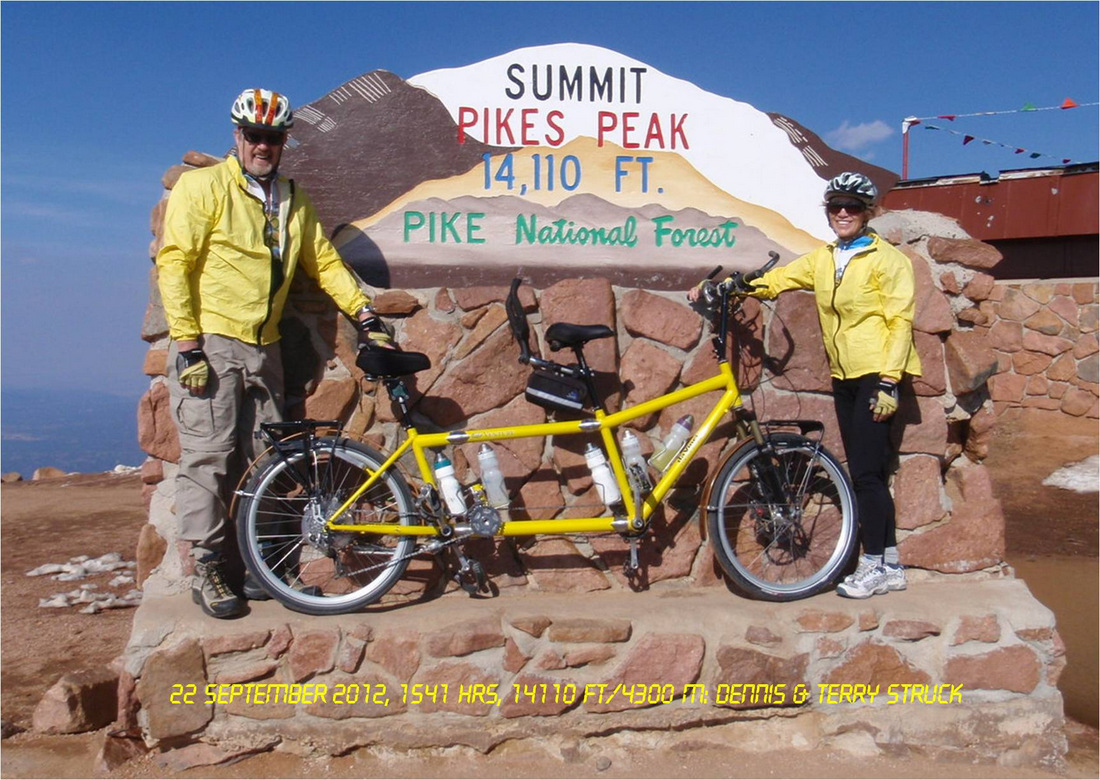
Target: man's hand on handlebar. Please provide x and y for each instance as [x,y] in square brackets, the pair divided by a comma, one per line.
[374,333]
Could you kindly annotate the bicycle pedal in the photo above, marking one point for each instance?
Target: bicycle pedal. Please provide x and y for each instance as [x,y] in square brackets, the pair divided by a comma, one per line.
[470,576]
[631,565]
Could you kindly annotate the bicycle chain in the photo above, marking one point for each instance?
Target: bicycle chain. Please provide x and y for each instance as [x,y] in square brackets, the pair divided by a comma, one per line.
[421,551]
[409,557]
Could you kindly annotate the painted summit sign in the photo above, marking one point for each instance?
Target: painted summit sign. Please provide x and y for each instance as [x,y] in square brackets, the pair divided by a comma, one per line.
[558,160]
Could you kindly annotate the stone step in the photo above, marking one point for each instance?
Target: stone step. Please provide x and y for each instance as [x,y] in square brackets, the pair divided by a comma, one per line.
[950,664]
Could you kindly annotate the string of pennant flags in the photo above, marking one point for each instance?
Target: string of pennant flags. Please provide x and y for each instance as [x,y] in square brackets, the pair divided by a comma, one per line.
[968,138]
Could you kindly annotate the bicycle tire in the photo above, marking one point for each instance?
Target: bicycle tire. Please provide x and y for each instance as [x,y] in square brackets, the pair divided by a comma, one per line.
[285,546]
[795,548]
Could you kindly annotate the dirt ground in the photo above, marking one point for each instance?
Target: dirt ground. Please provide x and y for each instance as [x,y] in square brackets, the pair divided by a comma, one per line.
[1052,541]
[52,521]
[1051,536]
[1028,445]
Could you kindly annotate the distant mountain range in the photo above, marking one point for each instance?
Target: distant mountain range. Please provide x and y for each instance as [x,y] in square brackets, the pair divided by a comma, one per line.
[74,431]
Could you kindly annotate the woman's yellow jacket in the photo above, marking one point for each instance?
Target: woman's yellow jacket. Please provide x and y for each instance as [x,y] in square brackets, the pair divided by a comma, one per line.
[867,317]
[216,274]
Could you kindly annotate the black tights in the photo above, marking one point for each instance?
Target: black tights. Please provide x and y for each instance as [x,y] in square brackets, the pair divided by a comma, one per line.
[867,444]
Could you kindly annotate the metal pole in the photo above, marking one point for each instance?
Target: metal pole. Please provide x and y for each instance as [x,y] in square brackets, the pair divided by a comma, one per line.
[905,125]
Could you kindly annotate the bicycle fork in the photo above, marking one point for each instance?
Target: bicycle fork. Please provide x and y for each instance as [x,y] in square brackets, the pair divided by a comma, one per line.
[764,469]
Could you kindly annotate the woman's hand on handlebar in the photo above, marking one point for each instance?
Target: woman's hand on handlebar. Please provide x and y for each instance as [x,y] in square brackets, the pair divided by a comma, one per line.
[705,290]
[738,284]
[709,292]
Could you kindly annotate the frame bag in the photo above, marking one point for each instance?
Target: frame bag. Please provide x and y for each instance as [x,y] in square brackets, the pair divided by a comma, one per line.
[556,391]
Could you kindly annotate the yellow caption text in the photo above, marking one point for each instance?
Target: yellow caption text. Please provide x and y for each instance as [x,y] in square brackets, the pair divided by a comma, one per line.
[747,694]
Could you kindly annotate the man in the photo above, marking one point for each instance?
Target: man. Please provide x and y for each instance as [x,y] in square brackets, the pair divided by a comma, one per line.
[234,234]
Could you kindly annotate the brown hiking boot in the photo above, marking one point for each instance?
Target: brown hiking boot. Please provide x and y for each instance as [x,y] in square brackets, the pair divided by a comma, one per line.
[211,592]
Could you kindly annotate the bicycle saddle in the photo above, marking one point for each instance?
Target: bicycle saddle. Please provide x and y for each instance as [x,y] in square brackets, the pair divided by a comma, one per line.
[391,363]
[564,334]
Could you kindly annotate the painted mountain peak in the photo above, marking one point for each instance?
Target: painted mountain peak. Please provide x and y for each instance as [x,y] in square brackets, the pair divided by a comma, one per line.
[563,157]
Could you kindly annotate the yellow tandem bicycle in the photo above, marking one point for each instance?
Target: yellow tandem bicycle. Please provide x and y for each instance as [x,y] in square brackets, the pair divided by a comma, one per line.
[328,525]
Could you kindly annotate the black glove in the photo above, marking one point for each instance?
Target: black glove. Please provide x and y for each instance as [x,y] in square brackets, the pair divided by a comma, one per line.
[375,334]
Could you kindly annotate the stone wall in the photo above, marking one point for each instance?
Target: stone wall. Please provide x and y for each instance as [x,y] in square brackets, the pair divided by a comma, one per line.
[963,669]
[951,531]
[1044,336]
[1043,333]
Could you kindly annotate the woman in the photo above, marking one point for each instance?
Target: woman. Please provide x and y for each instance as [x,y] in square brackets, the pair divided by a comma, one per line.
[864,292]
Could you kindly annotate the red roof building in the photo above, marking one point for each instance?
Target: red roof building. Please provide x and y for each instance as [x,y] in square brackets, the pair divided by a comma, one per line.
[1045,221]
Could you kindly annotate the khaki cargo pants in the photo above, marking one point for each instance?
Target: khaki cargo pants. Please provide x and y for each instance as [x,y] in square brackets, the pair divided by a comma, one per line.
[218,433]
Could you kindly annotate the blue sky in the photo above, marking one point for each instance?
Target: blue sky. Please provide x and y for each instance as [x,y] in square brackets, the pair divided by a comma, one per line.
[98,100]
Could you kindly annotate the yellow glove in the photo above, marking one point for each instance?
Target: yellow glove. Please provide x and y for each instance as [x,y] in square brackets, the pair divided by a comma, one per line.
[374,333]
[194,370]
[885,402]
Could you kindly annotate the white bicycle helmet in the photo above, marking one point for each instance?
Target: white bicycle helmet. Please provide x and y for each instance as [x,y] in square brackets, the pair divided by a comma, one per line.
[263,109]
[854,185]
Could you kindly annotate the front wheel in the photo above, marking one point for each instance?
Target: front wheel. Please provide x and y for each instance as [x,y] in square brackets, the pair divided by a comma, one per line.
[783,525]
[284,541]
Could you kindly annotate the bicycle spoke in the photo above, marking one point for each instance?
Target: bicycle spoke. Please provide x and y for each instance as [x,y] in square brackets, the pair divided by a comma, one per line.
[791,544]
[307,565]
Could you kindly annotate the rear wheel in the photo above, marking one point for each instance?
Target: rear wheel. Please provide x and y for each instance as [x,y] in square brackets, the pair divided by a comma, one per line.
[282,534]
[783,525]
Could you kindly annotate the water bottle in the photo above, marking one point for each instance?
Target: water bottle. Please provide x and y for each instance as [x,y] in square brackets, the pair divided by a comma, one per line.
[677,436]
[601,474]
[448,485]
[634,463]
[491,478]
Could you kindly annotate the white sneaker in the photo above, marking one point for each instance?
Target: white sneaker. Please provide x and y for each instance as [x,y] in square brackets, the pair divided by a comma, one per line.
[869,580]
[862,566]
[895,576]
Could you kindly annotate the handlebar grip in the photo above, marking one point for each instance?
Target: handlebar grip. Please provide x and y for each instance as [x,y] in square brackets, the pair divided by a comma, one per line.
[752,276]
[517,320]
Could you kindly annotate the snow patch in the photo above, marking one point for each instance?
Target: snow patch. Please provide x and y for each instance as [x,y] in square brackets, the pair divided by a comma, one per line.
[1080,477]
[82,566]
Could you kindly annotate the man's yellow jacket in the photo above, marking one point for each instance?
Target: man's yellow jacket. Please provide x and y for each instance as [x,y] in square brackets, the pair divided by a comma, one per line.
[216,273]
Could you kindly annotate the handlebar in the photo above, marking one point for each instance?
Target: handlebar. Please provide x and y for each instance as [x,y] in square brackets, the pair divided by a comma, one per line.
[737,281]
[713,295]
[752,276]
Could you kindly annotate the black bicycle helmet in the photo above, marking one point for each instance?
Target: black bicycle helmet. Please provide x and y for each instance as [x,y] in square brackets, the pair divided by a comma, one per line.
[853,185]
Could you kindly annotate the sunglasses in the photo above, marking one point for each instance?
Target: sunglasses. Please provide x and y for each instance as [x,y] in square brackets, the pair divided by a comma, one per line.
[261,137]
[852,207]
